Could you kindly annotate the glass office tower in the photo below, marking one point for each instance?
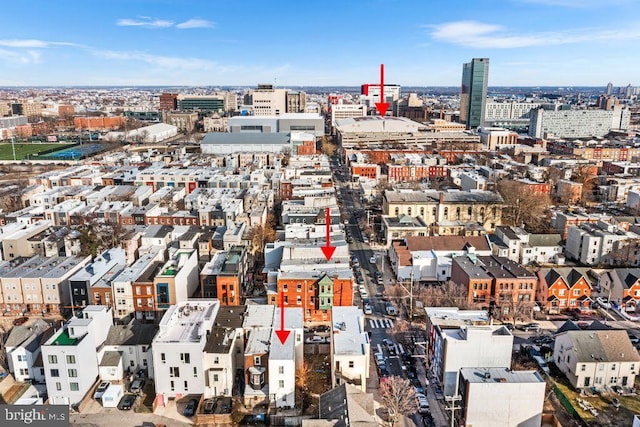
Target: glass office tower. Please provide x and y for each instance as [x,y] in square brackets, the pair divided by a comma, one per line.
[473,97]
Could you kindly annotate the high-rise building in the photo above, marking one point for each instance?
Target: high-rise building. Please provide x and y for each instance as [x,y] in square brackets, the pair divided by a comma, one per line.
[473,96]
[609,88]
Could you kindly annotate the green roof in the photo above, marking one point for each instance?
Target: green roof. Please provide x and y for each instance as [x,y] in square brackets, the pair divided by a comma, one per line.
[65,339]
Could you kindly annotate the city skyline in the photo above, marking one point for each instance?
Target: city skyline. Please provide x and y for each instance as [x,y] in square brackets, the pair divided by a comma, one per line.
[188,43]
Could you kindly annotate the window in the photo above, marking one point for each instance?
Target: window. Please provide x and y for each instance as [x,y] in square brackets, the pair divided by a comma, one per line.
[281,383]
[185,357]
[195,372]
[351,363]
[613,380]
[55,373]
[53,358]
[215,377]
[174,371]
[576,292]
[446,213]
[73,373]
[58,386]
[186,385]
[74,387]
[613,367]
[216,360]
[171,385]
[162,358]
[583,368]
[71,359]
[281,369]
[256,360]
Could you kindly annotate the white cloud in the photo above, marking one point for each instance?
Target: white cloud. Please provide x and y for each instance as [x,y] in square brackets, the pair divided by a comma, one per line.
[489,36]
[195,23]
[20,58]
[32,43]
[169,62]
[144,22]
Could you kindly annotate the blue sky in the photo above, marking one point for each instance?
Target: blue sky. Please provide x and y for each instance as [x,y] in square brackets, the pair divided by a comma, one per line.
[331,42]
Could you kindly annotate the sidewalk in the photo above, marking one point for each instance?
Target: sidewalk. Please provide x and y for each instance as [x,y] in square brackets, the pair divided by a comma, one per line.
[439,417]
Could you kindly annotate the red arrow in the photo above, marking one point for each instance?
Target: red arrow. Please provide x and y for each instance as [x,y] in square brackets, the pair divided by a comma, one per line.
[281,333]
[382,106]
[328,250]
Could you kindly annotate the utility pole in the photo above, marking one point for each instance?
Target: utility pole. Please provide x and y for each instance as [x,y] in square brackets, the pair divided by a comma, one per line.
[13,147]
[411,298]
[453,400]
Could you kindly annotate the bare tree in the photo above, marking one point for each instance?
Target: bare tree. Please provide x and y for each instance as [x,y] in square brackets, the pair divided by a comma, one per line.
[399,397]
[522,206]
[260,235]
[303,378]
[449,294]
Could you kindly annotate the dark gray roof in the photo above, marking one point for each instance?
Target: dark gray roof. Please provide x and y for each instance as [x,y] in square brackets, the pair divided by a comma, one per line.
[348,405]
[26,334]
[545,240]
[111,358]
[230,316]
[233,138]
[220,340]
[135,333]
[604,346]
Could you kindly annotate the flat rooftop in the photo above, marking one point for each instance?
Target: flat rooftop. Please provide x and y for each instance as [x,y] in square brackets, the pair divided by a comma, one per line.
[500,375]
[454,317]
[349,336]
[187,321]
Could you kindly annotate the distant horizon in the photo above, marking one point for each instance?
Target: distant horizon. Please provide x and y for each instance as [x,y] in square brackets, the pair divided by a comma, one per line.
[285,86]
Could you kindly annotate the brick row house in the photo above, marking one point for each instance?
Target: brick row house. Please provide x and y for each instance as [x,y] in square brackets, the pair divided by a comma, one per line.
[495,283]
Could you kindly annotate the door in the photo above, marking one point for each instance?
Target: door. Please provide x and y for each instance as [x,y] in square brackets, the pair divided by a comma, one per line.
[587,381]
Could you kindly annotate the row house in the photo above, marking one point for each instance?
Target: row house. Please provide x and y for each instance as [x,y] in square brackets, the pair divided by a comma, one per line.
[526,248]
[178,348]
[82,283]
[141,271]
[316,292]
[130,346]
[174,282]
[622,287]
[224,352]
[496,283]
[70,356]
[428,258]
[411,172]
[37,285]
[564,289]
[225,276]
[596,359]
[447,212]
[563,220]
[591,244]
[23,348]
[365,170]
[351,349]
[258,325]
[15,238]
[534,187]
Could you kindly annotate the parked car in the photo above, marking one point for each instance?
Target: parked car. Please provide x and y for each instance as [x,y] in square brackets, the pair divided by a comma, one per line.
[380,359]
[127,402]
[316,340]
[368,309]
[509,326]
[190,409]
[20,321]
[136,386]
[100,390]
[423,403]
[428,421]
[372,260]
[531,327]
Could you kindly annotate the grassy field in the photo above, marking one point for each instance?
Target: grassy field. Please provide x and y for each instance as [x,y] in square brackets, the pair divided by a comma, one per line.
[23,150]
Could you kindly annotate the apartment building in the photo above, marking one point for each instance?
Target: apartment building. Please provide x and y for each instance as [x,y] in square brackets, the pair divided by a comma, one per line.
[517,397]
[464,339]
[591,243]
[621,286]
[258,324]
[130,346]
[70,355]
[526,248]
[178,348]
[285,357]
[15,238]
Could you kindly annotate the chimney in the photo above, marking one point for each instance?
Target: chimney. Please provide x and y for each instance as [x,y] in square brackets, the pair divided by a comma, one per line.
[441,197]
